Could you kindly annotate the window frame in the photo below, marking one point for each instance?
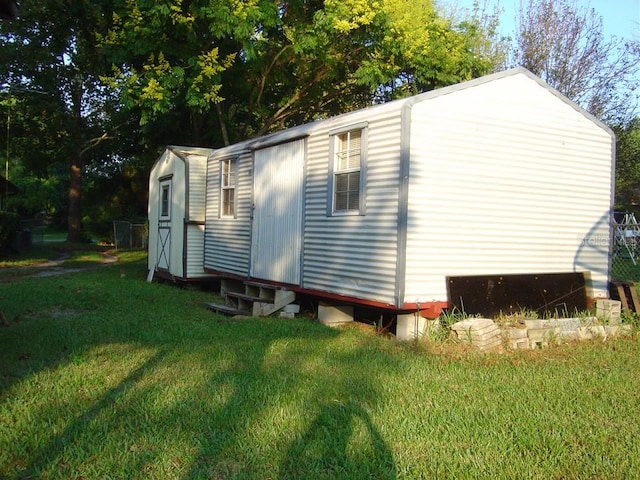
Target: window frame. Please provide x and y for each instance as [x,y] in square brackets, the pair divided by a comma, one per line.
[165,188]
[334,171]
[232,162]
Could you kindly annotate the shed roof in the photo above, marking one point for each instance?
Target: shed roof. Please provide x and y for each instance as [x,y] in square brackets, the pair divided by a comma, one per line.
[300,131]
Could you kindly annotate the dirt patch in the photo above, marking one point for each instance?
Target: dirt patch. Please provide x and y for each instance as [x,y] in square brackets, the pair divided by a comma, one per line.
[51,268]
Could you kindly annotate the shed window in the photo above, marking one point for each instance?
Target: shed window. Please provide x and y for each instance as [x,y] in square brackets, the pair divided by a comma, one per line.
[228,187]
[347,182]
[165,199]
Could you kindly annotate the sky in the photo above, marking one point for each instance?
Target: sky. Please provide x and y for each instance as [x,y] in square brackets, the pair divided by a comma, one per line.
[619,17]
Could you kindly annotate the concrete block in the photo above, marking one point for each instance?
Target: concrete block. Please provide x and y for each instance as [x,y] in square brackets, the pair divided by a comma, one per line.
[333,315]
[516,333]
[569,334]
[520,343]
[410,326]
[488,344]
[566,323]
[472,324]
[291,308]
[609,311]
[594,331]
[535,323]
[542,334]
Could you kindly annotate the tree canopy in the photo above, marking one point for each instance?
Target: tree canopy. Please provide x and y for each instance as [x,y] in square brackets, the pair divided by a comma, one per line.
[92,90]
[245,68]
[564,44]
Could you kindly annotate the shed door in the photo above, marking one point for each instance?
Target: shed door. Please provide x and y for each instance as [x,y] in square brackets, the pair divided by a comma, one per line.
[164,226]
[276,241]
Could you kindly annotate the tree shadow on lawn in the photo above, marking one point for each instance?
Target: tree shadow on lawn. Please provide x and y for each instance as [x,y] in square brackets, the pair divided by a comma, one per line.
[245,370]
[328,394]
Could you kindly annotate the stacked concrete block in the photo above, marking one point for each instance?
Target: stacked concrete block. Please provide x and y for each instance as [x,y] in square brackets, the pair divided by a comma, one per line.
[516,338]
[482,333]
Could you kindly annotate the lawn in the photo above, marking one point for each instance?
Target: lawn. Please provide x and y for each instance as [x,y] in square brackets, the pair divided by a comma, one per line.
[103,375]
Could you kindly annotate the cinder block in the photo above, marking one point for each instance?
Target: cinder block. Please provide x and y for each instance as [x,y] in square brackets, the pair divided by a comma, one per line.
[410,326]
[609,311]
[333,315]
[569,334]
[488,344]
[520,343]
[472,324]
[516,333]
[566,323]
[594,331]
[534,323]
[542,334]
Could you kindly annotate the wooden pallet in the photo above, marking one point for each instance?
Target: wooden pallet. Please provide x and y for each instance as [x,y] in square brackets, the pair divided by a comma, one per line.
[627,293]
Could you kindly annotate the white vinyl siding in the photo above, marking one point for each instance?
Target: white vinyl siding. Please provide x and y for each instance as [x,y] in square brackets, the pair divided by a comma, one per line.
[177,184]
[197,179]
[506,178]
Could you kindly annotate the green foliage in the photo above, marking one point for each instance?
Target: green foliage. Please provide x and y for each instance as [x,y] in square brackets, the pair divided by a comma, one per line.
[262,67]
[105,87]
[627,165]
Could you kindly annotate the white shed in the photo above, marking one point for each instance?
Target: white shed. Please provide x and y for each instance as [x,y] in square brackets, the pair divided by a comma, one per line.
[176,214]
[496,176]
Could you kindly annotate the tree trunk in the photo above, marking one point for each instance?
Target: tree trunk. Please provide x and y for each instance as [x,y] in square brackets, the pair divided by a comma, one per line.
[74,219]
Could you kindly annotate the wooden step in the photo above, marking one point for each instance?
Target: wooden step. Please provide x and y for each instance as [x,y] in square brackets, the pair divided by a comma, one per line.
[226,309]
[249,298]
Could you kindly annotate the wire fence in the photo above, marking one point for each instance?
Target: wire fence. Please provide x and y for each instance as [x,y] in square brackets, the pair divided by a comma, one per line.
[625,251]
[127,235]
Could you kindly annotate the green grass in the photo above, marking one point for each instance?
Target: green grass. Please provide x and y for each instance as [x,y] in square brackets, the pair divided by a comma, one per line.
[103,375]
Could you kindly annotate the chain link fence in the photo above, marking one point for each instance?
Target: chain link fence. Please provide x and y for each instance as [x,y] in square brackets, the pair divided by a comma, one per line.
[625,252]
[127,235]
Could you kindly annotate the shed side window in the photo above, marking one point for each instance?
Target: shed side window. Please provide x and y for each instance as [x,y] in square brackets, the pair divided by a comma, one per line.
[348,171]
[165,199]
[228,187]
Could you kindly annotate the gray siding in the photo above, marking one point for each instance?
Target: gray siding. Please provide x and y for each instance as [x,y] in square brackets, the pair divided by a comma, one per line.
[227,240]
[355,255]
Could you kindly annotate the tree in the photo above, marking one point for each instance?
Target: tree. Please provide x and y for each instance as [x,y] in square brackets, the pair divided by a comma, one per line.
[565,46]
[241,69]
[50,60]
[628,165]
[480,28]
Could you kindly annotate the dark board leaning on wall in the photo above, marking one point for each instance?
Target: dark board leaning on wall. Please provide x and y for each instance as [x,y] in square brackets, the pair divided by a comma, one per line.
[545,293]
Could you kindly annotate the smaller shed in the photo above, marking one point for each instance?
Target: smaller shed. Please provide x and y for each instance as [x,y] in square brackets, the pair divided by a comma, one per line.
[177,184]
